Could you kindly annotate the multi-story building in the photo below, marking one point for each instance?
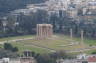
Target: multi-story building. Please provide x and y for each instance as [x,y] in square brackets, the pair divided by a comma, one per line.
[18,60]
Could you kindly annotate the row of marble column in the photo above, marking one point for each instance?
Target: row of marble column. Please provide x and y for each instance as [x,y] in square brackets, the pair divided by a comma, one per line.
[44,31]
[81,35]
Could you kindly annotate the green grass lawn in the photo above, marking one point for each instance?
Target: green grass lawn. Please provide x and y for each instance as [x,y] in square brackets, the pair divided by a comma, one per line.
[23,47]
[17,37]
[57,42]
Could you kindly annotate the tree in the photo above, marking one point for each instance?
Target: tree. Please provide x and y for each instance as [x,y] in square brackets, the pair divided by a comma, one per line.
[7,53]
[54,21]
[94,52]
[52,57]
[15,49]
[80,12]
[8,46]
[9,5]
[85,62]
[33,54]
[1,26]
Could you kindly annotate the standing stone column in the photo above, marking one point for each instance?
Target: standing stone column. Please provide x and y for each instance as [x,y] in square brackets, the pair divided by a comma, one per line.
[71,33]
[50,31]
[37,30]
[47,31]
[82,36]
[40,31]
[44,32]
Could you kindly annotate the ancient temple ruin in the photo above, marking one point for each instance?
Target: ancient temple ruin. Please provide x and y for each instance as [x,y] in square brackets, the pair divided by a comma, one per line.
[44,31]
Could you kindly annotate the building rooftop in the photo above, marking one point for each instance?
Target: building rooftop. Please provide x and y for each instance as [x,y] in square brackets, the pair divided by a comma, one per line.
[92,59]
[92,3]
